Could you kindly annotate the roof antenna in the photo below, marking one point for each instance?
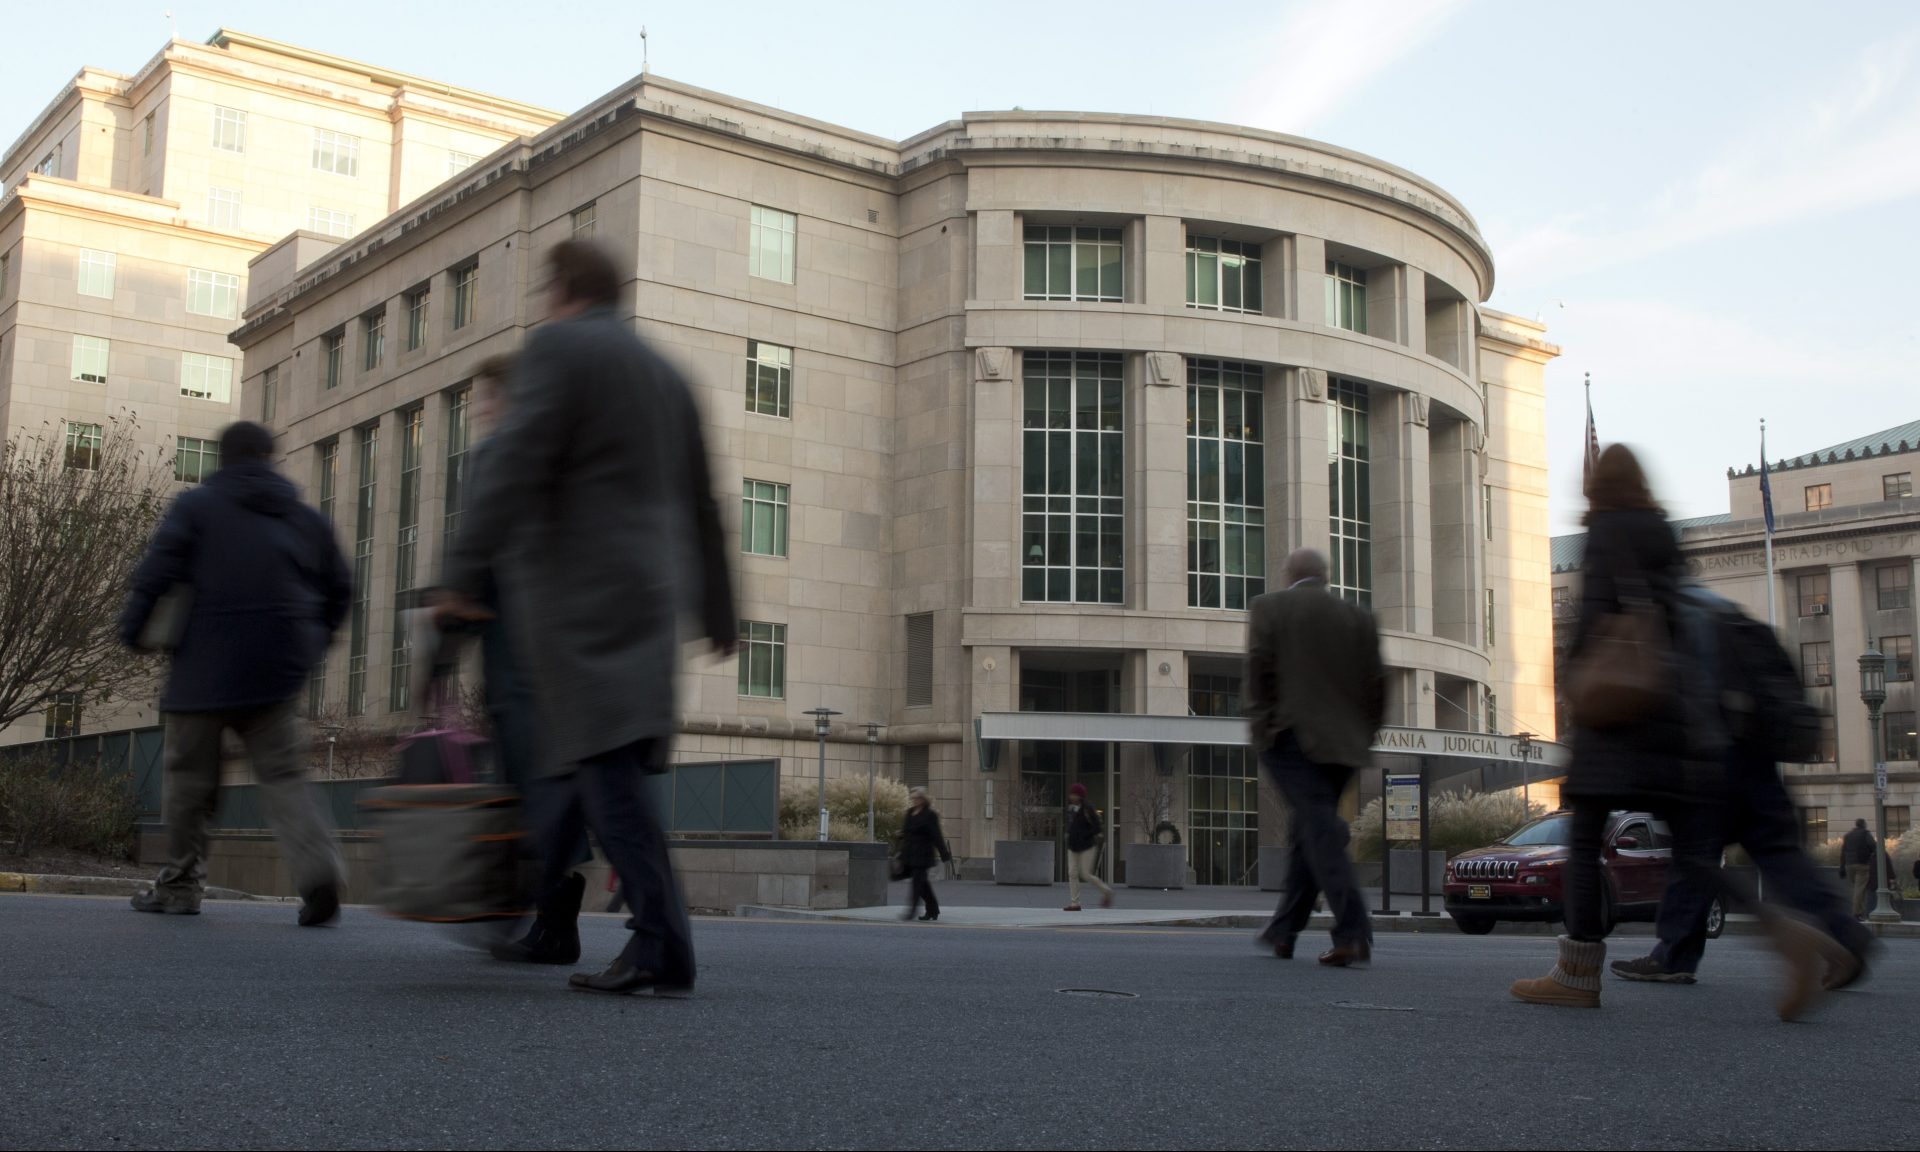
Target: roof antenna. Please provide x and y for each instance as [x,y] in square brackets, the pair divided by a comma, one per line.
[643,49]
[173,30]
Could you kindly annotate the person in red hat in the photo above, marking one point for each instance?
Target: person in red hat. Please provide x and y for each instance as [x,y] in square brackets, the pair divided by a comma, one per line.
[1084,833]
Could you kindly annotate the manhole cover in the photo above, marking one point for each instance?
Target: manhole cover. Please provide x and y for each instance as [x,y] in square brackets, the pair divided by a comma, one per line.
[1098,993]
[1358,1006]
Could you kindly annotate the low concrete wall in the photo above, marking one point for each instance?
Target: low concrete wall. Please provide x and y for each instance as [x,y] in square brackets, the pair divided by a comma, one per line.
[715,875]
[722,875]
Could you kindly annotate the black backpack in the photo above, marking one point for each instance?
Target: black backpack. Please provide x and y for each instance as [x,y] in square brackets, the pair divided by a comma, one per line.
[1766,707]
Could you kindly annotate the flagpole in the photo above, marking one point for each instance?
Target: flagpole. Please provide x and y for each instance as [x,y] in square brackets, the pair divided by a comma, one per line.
[1773,594]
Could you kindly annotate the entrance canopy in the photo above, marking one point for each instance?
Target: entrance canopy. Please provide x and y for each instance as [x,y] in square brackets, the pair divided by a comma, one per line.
[1231,731]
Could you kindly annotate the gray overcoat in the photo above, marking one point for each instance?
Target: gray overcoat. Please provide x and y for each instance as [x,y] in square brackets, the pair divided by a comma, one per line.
[596,510]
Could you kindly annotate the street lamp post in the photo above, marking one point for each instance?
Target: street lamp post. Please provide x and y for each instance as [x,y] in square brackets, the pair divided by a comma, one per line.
[1873,693]
[1526,773]
[821,718]
[873,747]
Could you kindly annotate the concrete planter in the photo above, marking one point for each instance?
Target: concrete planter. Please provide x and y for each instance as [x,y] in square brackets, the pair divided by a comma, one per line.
[1023,862]
[1156,866]
[1273,868]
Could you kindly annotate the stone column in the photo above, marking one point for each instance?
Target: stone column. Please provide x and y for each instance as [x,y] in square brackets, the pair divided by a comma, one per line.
[998,256]
[993,510]
[1163,282]
[1387,303]
[993,686]
[1413,309]
[1853,753]
[1402,513]
[1157,495]
[1457,526]
[1307,289]
[1296,459]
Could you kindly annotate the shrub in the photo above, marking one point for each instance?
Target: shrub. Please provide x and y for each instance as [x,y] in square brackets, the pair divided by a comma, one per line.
[80,807]
[846,808]
[1456,822]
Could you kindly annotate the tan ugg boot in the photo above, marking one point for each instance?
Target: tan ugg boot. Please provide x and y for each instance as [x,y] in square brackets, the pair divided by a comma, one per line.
[1574,981]
[1811,956]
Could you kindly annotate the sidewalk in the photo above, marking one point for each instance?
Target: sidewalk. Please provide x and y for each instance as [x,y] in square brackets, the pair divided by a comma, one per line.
[984,904]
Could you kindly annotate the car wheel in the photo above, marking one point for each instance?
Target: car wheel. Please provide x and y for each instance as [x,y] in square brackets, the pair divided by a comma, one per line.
[1716,919]
[1473,925]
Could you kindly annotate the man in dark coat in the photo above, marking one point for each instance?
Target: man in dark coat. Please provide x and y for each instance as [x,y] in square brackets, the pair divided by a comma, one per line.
[596,507]
[264,587]
[1316,695]
[1856,853]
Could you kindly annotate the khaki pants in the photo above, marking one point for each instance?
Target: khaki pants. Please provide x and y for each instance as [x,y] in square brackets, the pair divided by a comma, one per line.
[1080,866]
[1861,877]
[192,763]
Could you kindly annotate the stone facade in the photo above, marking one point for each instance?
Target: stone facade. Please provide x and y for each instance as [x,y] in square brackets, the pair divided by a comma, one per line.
[906,448]
[180,175]
[1846,562]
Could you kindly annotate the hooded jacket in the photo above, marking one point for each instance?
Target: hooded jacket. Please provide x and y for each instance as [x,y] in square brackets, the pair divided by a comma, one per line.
[269,588]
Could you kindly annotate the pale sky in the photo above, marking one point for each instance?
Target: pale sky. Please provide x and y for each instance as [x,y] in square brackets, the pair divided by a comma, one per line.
[1711,204]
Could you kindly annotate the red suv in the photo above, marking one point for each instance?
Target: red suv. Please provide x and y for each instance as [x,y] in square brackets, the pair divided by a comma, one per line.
[1520,877]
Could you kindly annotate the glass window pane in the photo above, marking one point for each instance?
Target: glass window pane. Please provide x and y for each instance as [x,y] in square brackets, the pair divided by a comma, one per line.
[1059,270]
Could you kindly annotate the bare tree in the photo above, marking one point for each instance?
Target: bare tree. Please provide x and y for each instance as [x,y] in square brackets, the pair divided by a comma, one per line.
[1151,798]
[346,747]
[77,505]
[1028,810]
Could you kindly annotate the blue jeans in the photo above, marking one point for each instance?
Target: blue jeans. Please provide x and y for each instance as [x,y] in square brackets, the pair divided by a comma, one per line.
[1317,857]
[1759,816]
[609,793]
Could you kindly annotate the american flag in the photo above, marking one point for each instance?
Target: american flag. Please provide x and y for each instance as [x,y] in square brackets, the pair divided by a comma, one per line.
[1593,444]
[1766,487]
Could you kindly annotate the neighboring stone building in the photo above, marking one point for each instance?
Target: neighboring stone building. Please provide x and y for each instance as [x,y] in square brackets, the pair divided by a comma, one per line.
[1014,416]
[1846,560]
[131,206]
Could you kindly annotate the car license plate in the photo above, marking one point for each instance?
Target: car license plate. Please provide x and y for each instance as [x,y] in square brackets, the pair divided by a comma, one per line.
[1479,891]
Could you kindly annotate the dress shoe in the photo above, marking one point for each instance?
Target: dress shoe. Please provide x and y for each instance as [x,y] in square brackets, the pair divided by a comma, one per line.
[1283,947]
[1107,900]
[1343,955]
[554,937]
[153,900]
[320,906]
[623,979]
[1071,908]
[931,916]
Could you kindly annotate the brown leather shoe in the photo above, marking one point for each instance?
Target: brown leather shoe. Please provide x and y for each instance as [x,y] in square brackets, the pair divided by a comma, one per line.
[1283,948]
[1347,955]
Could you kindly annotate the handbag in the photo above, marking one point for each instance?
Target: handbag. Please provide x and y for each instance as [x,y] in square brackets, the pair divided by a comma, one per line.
[449,853]
[1625,671]
[897,867]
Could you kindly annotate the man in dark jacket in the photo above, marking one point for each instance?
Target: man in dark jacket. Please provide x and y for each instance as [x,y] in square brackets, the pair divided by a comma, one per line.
[1856,854]
[264,587]
[1084,833]
[1316,694]
[596,507]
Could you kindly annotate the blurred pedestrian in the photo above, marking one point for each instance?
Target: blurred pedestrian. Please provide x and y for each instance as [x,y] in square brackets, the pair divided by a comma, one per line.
[1643,676]
[1085,831]
[507,693]
[1856,856]
[1770,720]
[1316,696]
[258,585]
[597,509]
[920,841]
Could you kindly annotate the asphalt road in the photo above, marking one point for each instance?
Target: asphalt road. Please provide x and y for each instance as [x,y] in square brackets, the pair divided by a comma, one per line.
[237,1029]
